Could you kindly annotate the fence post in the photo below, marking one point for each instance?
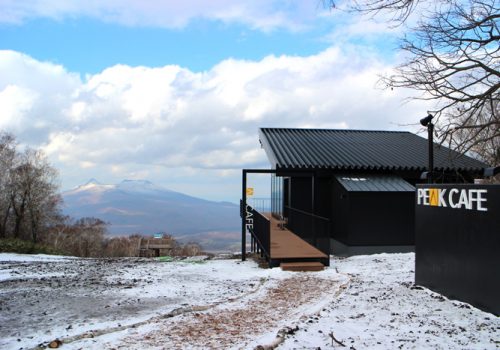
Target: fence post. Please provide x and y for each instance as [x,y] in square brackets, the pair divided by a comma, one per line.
[244,218]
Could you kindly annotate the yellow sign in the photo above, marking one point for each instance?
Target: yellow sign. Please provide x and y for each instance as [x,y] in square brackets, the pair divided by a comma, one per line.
[434,197]
[249,191]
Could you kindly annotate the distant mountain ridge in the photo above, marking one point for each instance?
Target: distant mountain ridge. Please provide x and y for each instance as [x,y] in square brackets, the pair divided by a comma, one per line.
[139,206]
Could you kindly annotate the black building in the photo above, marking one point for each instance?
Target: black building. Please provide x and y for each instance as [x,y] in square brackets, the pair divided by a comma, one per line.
[353,191]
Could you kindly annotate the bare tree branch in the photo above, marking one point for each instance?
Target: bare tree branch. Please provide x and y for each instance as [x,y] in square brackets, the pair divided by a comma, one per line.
[453,58]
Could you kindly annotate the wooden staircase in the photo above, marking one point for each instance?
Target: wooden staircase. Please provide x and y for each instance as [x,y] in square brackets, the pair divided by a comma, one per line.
[302,266]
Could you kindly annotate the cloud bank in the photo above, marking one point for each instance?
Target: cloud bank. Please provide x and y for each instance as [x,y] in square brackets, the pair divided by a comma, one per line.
[188,129]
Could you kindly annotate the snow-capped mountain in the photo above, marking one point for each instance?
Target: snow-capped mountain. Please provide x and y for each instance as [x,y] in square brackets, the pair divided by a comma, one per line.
[139,206]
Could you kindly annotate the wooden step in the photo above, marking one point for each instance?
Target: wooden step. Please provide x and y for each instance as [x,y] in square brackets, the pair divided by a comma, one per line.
[302,266]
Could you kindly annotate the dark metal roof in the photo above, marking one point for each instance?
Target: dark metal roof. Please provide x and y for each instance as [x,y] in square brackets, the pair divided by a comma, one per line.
[357,150]
[371,183]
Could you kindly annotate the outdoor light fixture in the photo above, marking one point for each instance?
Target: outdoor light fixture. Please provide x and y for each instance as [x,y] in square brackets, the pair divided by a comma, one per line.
[427,121]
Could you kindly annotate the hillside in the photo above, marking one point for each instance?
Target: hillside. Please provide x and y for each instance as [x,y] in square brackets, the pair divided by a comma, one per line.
[363,302]
[138,206]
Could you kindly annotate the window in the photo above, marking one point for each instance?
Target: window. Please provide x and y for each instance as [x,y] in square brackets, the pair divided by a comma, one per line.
[277,196]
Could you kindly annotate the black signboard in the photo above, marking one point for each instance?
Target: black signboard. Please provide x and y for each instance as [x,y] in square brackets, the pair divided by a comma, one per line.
[457,242]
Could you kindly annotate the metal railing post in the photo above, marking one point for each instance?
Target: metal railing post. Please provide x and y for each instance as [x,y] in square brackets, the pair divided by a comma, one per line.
[244,213]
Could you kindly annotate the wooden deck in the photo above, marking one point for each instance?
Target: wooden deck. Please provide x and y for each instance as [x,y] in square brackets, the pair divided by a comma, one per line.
[288,247]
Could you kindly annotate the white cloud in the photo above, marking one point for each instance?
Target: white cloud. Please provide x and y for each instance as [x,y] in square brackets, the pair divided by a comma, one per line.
[33,94]
[259,14]
[15,102]
[180,127]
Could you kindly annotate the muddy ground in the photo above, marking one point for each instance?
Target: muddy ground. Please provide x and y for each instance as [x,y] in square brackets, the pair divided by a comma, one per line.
[59,298]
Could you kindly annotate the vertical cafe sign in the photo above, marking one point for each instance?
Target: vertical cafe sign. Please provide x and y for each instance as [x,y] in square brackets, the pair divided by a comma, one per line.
[248,211]
[249,217]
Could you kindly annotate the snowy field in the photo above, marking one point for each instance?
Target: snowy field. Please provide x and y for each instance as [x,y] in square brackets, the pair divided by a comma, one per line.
[364,302]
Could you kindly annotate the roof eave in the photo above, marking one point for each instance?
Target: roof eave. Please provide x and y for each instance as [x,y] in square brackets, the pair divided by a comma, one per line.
[268,149]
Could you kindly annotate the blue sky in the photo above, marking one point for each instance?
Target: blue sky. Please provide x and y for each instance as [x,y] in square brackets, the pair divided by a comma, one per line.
[88,45]
[174,92]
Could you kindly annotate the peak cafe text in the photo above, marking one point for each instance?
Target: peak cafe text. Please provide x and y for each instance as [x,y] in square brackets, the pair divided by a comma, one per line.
[455,198]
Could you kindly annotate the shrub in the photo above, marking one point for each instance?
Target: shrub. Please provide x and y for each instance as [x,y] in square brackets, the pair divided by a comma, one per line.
[13,245]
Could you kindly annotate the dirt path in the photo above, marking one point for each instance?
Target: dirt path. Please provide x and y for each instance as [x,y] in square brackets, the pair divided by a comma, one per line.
[236,324]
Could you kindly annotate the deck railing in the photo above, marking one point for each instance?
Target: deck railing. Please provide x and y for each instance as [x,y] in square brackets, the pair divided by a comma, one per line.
[260,204]
[261,233]
[260,230]
[312,228]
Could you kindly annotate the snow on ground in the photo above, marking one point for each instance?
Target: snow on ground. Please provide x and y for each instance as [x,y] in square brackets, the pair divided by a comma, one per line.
[45,299]
[363,302]
[383,309]
[6,257]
